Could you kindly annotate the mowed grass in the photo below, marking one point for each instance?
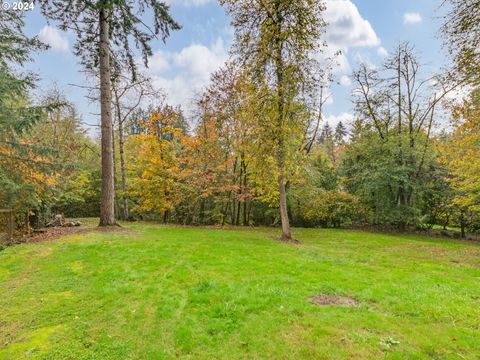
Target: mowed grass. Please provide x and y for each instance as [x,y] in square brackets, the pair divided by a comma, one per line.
[173,292]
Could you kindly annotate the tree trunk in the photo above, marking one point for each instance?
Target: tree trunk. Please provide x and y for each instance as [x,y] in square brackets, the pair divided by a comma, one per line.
[239,194]
[202,211]
[281,173]
[245,214]
[445,224]
[462,224]
[107,216]
[283,209]
[232,195]
[123,170]
[115,187]
[121,142]
[279,69]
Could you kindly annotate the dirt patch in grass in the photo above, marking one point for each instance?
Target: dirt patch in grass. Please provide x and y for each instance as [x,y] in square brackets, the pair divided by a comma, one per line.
[325,300]
[285,241]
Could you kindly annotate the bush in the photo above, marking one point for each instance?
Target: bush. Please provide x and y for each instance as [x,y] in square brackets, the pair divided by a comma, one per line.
[330,208]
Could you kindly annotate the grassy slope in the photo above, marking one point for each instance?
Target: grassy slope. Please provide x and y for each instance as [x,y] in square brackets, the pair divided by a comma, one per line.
[168,292]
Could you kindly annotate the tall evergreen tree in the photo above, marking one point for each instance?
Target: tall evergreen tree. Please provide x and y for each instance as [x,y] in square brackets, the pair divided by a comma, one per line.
[326,134]
[105,31]
[340,133]
[17,114]
[327,141]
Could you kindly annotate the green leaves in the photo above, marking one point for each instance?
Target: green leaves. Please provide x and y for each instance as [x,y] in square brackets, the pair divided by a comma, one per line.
[15,46]
[127,27]
[461,31]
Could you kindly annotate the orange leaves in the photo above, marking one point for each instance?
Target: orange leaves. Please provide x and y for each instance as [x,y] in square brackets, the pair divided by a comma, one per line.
[153,173]
[153,167]
[161,122]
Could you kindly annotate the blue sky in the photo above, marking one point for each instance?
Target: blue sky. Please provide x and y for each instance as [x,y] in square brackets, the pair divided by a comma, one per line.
[365,30]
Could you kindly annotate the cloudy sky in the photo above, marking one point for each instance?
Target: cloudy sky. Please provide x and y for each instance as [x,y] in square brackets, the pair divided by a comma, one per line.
[365,31]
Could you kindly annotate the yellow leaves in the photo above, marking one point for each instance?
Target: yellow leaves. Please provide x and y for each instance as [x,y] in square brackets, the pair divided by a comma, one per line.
[153,172]
[162,122]
[27,165]
[461,155]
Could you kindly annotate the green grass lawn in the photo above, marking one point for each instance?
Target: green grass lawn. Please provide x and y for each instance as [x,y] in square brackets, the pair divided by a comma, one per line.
[450,228]
[166,292]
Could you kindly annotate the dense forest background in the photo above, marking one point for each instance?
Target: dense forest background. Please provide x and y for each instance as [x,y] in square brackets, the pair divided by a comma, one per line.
[411,158]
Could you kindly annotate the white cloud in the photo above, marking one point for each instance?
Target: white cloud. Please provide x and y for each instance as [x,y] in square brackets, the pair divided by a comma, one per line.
[382,52]
[346,27]
[159,62]
[412,18]
[346,119]
[185,73]
[53,37]
[364,58]
[345,81]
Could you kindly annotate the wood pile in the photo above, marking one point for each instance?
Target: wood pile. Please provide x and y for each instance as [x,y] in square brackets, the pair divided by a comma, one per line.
[59,221]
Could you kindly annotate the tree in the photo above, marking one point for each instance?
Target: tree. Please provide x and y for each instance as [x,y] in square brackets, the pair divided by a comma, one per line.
[153,168]
[461,155]
[340,133]
[206,174]
[16,46]
[461,31]
[25,168]
[276,41]
[223,104]
[323,78]
[326,135]
[317,178]
[389,162]
[105,30]
[127,97]
[327,141]
[73,156]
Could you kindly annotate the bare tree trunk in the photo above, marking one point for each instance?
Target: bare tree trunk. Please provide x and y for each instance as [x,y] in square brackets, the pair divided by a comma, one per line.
[121,145]
[123,170]
[245,214]
[115,187]
[225,212]
[239,194]
[107,216]
[401,188]
[232,195]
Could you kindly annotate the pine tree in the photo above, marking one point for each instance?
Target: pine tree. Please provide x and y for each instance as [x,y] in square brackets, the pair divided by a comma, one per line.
[105,31]
[340,133]
[21,163]
[326,134]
